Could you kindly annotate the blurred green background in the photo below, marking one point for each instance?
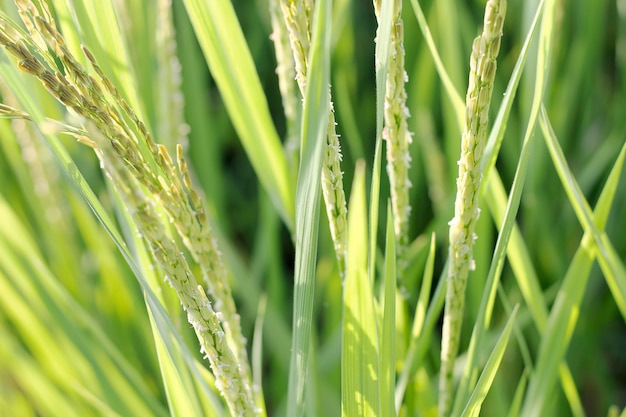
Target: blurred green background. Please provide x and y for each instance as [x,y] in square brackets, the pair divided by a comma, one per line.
[49,232]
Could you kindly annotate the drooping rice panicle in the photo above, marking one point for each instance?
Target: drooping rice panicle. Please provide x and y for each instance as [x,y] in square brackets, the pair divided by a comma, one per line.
[187,213]
[298,15]
[466,211]
[230,378]
[101,105]
[397,135]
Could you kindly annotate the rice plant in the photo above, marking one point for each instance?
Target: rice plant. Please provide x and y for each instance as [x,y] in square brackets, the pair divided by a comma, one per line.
[217,208]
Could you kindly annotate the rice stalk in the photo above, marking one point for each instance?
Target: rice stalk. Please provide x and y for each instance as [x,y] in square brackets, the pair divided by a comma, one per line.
[482,73]
[396,133]
[298,15]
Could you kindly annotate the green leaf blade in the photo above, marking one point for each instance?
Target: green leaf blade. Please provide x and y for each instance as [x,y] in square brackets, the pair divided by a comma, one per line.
[315,116]
[472,408]
[388,334]
[359,354]
[231,65]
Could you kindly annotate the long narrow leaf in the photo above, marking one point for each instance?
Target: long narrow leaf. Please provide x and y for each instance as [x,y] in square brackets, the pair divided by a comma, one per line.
[491,367]
[453,94]
[53,322]
[612,266]
[383,41]
[419,319]
[388,339]
[360,374]
[229,59]
[314,122]
[565,312]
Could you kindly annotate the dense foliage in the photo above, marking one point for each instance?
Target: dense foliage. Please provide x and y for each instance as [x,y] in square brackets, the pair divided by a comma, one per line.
[89,324]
